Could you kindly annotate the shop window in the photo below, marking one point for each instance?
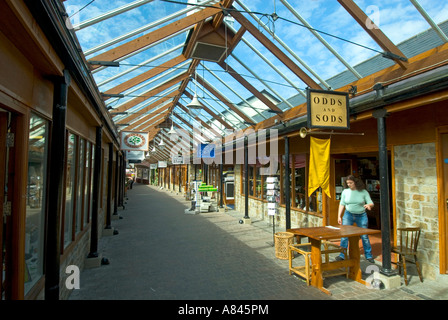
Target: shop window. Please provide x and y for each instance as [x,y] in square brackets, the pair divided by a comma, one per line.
[251,180]
[91,181]
[298,185]
[285,176]
[299,181]
[258,182]
[79,187]
[35,208]
[87,185]
[104,186]
[70,188]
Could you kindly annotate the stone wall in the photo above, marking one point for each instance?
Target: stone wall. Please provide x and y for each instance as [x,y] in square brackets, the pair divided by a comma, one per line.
[416,199]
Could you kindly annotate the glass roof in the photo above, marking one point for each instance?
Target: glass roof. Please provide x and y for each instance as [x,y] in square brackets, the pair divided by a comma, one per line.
[273,50]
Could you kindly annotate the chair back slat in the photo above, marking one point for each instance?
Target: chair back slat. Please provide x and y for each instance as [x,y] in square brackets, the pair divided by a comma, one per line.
[409,238]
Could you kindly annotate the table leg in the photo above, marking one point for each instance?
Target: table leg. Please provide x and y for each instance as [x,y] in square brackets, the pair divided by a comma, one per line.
[316,259]
[354,254]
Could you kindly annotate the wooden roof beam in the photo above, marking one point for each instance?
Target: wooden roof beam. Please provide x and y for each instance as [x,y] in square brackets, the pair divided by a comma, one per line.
[148,108]
[250,88]
[148,94]
[147,120]
[224,100]
[156,35]
[373,31]
[157,114]
[218,19]
[145,76]
[275,50]
[210,112]
[199,120]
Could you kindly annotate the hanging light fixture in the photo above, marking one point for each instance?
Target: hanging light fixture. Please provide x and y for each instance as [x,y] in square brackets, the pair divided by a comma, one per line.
[154,147]
[161,143]
[195,106]
[172,130]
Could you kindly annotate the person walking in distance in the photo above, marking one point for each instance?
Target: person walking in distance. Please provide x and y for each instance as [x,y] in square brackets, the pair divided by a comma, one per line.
[355,199]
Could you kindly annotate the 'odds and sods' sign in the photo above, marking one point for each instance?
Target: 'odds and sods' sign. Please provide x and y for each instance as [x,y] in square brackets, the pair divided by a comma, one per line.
[328,109]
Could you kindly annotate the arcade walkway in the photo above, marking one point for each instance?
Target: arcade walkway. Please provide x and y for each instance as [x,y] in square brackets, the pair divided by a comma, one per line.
[161,253]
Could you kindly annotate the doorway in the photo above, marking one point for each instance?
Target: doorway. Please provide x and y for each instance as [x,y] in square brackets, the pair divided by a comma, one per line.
[364,166]
[443,202]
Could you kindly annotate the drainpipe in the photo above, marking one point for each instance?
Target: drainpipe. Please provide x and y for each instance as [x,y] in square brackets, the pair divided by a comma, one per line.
[56,187]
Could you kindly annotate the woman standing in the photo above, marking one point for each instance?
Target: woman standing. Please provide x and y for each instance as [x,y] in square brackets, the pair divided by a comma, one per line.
[352,209]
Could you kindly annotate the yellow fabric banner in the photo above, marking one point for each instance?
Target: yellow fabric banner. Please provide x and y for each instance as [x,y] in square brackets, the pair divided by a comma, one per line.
[319,173]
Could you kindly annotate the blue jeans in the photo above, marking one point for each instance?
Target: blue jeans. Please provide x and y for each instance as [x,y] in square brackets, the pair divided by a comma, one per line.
[361,221]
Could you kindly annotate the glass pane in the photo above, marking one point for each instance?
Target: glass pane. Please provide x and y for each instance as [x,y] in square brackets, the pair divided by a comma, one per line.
[87,184]
[258,182]
[251,180]
[35,209]
[79,197]
[299,181]
[91,182]
[70,188]
[316,201]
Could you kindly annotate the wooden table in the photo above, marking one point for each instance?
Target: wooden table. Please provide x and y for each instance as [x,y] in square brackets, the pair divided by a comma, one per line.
[317,234]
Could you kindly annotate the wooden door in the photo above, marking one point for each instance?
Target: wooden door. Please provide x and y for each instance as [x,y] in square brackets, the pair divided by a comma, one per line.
[444,202]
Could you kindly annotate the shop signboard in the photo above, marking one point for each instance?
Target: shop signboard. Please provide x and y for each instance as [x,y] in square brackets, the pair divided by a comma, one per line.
[134,141]
[177,160]
[162,164]
[328,109]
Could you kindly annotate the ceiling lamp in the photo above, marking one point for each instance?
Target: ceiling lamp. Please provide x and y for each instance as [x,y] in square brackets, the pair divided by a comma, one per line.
[161,143]
[172,131]
[194,104]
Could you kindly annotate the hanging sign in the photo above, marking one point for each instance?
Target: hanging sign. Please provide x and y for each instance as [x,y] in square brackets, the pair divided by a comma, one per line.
[328,109]
[162,164]
[135,141]
[206,150]
[177,160]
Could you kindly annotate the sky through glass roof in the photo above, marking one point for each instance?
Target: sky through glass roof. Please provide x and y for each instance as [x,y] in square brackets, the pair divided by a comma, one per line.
[319,37]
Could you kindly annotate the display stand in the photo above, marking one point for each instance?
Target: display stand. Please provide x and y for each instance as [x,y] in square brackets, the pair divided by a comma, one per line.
[272,196]
[194,203]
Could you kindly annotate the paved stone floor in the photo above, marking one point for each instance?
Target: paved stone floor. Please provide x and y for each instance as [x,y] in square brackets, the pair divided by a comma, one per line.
[161,253]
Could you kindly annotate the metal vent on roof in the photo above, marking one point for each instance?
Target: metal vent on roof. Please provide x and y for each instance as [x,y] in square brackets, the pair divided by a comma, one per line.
[208,51]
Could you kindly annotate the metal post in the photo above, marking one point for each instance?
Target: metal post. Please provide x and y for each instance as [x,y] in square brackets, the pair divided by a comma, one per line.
[56,189]
[380,115]
[246,176]
[221,185]
[95,194]
[287,186]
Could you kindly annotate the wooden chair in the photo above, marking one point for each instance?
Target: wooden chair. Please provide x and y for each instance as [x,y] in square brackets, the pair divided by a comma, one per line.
[409,238]
[330,247]
[304,249]
[304,271]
